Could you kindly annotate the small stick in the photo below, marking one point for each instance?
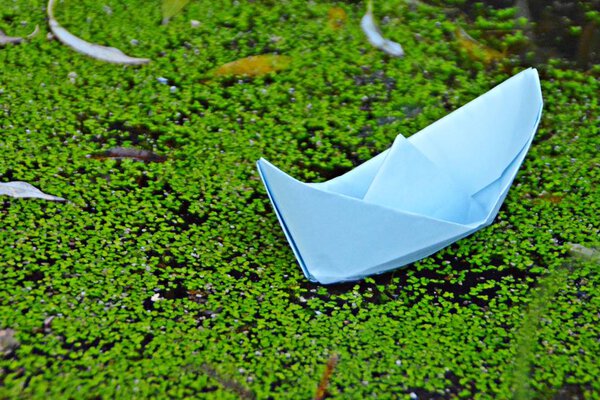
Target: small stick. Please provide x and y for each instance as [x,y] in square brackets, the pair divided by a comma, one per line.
[227,383]
[322,388]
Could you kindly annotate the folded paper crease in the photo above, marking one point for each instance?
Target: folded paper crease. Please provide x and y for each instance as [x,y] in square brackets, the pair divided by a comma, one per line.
[424,193]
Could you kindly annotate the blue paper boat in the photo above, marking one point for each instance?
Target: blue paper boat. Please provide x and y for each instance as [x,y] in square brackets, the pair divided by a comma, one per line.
[424,193]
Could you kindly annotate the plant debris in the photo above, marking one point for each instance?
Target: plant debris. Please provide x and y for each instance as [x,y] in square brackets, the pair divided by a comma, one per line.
[170,8]
[129,152]
[253,66]
[476,50]
[236,387]
[103,53]
[20,189]
[322,388]
[336,17]
[8,343]
[370,28]
[586,253]
[4,39]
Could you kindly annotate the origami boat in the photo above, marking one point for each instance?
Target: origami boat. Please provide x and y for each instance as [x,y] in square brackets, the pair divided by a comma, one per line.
[422,194]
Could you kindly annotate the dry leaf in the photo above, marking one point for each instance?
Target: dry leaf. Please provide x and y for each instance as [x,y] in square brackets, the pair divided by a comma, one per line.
[548,197]
[336,17]
[253,66]
[370,28]
[171,8]
[476,50]
[4,40]
[8,343]
[48,323]
[23,189]
[128,152]
[586,253]
[103,53]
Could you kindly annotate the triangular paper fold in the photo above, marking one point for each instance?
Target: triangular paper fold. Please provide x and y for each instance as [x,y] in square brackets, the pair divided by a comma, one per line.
[407,180]
[422,194]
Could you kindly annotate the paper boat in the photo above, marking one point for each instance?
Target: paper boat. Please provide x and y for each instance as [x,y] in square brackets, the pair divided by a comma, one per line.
[424,193]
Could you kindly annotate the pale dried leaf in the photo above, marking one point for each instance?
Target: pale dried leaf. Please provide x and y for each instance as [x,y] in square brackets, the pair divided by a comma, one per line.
[8,343]
[48,323]
[23,189]
[586,253]
[35,32]
[4,40]
[128,152]
[171,8]
[103,53]
[370,28]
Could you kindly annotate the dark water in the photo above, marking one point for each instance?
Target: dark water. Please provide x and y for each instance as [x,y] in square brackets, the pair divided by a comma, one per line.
[567,30]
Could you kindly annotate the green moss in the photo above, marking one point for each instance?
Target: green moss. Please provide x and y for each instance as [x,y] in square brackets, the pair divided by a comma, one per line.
[198,230]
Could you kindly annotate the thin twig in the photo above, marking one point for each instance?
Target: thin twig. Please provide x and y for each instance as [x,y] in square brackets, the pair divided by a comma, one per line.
[228,383]
[322,388]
